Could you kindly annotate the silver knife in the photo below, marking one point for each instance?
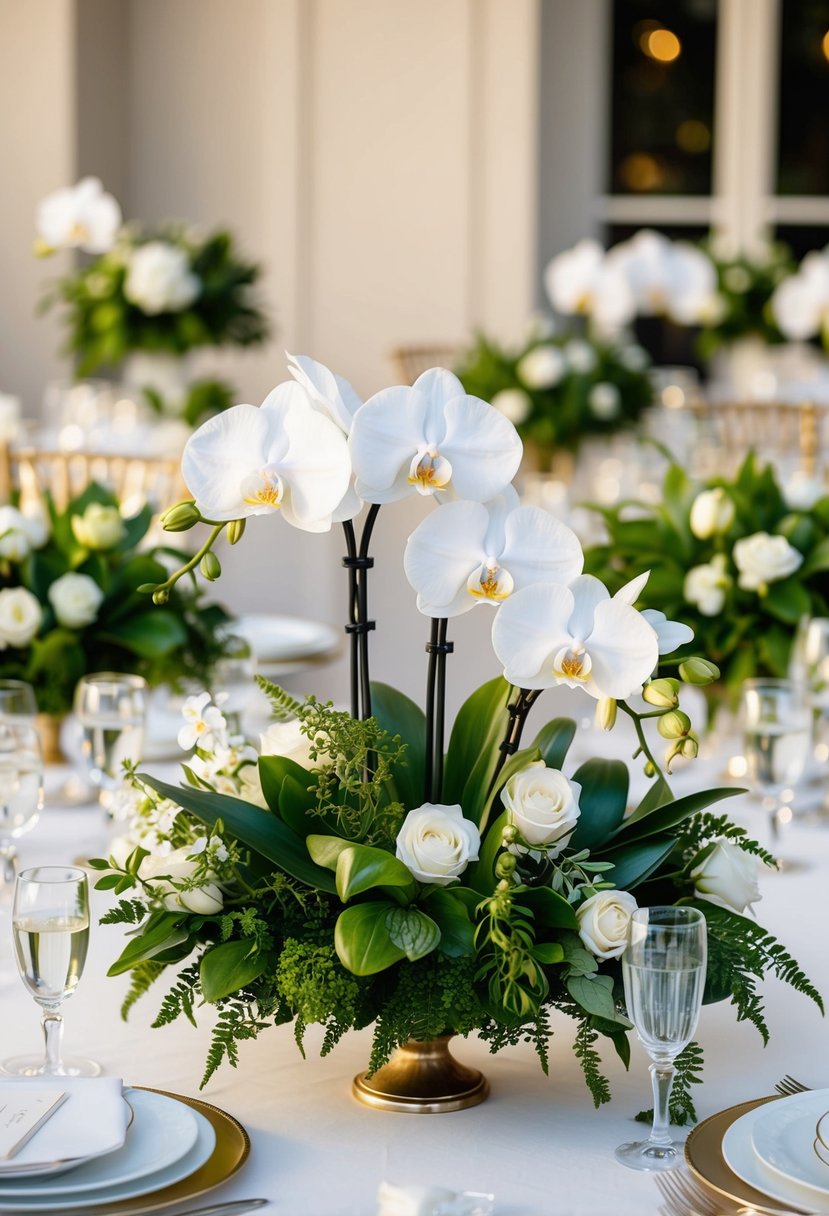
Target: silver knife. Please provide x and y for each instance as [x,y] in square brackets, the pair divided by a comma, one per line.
[233,1207]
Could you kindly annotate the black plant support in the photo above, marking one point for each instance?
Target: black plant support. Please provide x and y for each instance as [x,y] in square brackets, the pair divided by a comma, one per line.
[518,712]
[437,649]
[358,563]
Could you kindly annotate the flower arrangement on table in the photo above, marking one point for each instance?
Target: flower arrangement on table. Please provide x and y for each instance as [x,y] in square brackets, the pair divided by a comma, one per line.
[561,389]
[741,560]
[742,307]
[800,303]
[149,297]
[69,604]
[383,879]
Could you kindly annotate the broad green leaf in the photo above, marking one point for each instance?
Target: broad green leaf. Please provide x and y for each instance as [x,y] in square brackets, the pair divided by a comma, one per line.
[603,800]
[325,850]
[787,600]
[481,874]
[413,931]
[634,863]
[162,931]
[450,913]
[362,940]
[361,867]
[818,559]
[261,831]
[553,741]
[229,967]
[272,772]
[474,746]
[671,814]
[399,715]
[594,994]
[659,792]
[550,909]
[150,635]
[548,952]
[135,529]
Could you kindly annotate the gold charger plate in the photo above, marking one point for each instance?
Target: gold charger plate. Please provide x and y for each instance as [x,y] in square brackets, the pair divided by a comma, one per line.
[229,1155]
[704,1158]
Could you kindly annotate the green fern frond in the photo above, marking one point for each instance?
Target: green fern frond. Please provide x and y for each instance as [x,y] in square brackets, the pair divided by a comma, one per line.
[125,912]
[591,1062]
[687,1072]
[142,977]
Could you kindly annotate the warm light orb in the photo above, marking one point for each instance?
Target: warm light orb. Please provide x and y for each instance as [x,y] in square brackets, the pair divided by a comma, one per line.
[662,45]
[641,172]
[693,136]
[824,45]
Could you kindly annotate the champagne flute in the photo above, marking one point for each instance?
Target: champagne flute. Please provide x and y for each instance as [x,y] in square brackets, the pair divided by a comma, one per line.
[663,969]
[21,789]
[111,708]
[50,922]
[777,733]
[809,666]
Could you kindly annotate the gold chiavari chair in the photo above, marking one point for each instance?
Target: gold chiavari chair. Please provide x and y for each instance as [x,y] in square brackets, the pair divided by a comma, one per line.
[409,362]
[33,471]
[797,431]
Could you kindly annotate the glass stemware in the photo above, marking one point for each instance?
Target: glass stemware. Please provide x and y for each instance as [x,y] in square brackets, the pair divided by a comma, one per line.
[21,789]
[777,732]
[17,701]
[111,709]
[809,666]
[663,969]
[50,923]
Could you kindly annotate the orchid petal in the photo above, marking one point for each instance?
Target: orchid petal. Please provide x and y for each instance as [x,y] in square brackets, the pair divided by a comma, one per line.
[540,549]
[332,393]
[631,591]
[386,433]
[441,554]
[350,505]
[482,446]
[588,593]
[670,634]
[623,649]
[220,455]
[531,627]
[500,508]
[316,467]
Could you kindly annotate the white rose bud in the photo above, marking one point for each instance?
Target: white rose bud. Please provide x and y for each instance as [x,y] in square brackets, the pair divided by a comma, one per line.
[20,617]
[542,367]
[712,512]
[727,876]
[514,404]
[603,922]
[763,559]
[286,739]
[543,805]
[14,535]
[159,279]
[177,867]
[436,843]
[99,527]
[705,586]
[76,599]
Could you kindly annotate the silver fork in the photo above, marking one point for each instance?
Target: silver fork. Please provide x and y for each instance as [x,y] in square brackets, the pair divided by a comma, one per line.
[789,1085]
[684,1197]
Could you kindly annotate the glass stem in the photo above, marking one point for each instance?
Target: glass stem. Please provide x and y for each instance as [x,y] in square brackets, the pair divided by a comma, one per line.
[8,863]
[773,810]
[52,1024]
[662,1078]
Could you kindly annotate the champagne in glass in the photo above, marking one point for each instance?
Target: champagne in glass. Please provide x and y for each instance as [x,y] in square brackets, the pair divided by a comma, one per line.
[663,969]
[111,709]
[777,732]
[21,788]
[50,922]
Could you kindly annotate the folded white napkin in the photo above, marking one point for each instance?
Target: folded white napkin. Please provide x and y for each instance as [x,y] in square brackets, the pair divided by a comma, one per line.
[393,1200]
[93,1120]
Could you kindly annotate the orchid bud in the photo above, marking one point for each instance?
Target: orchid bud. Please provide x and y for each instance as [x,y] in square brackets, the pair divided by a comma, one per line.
[182,516]
[505,865]
[161,595]
[712,513]
[509,835]
[674,725]
[210,566]
[689,747]
[236,530]
[662,693]
[699,671]
[650,768]
[606,713]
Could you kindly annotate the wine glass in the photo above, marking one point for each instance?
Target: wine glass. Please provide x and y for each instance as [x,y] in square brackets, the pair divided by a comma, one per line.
[50,923]
[111,708]
[21,788]
[663,968]
[809,666]
[777,733]
[17,701]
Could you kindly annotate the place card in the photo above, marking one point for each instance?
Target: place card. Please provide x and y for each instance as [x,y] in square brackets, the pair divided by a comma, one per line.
[23,1110]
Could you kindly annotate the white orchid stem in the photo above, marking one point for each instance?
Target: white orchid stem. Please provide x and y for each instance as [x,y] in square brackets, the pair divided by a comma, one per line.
[637,720]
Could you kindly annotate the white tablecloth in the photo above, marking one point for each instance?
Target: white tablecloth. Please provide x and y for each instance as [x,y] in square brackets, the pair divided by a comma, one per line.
[537,1142]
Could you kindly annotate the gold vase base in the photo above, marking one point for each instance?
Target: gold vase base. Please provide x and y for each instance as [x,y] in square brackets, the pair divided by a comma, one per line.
[422,1079]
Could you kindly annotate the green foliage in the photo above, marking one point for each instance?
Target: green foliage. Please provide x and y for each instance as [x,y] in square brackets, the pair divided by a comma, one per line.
[745,285]
[591,1062]
[318,989]
[687,1072]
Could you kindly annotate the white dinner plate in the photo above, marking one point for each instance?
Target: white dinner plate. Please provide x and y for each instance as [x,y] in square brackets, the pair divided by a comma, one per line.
[739,1154]
[65,1199]
[279,639]
[783,1138]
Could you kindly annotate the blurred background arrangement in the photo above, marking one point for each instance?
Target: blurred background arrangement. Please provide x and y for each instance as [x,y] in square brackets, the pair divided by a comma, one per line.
[608,217]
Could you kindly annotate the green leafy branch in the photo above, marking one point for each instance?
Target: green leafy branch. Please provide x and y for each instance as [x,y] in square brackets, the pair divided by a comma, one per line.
[687,1072]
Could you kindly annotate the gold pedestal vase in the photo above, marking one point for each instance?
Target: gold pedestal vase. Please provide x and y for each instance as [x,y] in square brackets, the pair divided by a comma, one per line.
[422,1078]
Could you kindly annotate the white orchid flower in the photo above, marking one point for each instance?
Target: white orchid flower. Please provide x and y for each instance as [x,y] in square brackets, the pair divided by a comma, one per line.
[582,281]
[469,553]
[670,635]
[335,397]
[79,217]
[801,303]
[549,634]
[204,726]
[432,437]
[282,456]
[670,277]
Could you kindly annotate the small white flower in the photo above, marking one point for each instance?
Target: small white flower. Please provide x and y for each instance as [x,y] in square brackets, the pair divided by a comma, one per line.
[99,527]
[712,513]
[727,876]
[801,491]
[159,279]
[20,617]
[762,559]
[436,843]
[76,599]
[198,846]
[79,217]
[542,367]
[604,400]
[514,404]
[14,535]
[581,356]
[204,725]
[603,922]
[543,805]
[706,586]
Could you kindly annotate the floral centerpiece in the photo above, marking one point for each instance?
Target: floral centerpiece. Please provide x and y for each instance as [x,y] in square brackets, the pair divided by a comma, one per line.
[69,603]
[384,878]
[560,389]
[741,560]
[146,299]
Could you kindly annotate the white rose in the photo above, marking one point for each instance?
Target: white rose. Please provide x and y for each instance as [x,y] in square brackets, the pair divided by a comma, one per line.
[99,527]
[801,491]
[544,805]
[542,367]
[603,922]
[177,867]
[76,599]
[712,512]
[604,400]
[580,355]
[14,534]
[705,586]
[159,279]
[287,739]
[727,876]
[763,559]
[514,404]
[20,617]
[436,843]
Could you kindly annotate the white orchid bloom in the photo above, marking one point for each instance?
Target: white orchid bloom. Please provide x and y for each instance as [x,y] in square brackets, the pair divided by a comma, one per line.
[335,397]
[582,281]
[432,437]
[79,217]
[282,456]
[204,726]
[801,303]
[670,277]
[549,634]
[469,553]
[670,635]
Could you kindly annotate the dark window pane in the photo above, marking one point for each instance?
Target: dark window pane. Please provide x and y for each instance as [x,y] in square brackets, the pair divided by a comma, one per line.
[801,238]
[663,96]
[803,145]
